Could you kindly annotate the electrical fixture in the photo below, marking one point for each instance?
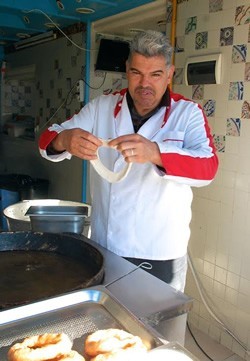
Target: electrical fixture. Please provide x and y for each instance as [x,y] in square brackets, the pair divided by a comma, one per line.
[60,5]
[85,10]
[52,25]
[26,19]
[26,72]
[203,69]
[135,30]
[79,90]
[161,22]
[34,40]
[23,35]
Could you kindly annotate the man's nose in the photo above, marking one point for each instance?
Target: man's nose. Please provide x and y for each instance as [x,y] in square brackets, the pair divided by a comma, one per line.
[144,80]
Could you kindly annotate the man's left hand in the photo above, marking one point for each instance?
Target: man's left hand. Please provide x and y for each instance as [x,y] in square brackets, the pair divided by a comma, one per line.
[136,148]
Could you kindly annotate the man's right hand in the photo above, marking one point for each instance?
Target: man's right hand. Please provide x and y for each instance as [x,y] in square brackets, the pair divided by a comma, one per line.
[77,142]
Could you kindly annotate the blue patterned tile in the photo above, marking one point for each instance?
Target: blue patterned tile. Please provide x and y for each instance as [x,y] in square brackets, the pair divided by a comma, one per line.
[215,5]
[197,92]
[178,76]
[233,127]
[245,112]
[247,72]
[201,40]
[116,84]
[179,44]
[239,53]
[242,15]
[209,107]
[236,90]
[169,13]
[219,142]
[191,24]
[226,36]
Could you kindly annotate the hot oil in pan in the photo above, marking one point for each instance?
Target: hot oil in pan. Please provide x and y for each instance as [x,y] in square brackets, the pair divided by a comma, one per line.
[33,275]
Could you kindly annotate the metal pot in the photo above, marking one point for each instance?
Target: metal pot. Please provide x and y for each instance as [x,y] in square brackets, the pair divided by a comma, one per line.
[35,266]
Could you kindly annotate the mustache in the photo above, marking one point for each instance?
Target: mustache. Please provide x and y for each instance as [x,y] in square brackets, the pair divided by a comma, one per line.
[139,88]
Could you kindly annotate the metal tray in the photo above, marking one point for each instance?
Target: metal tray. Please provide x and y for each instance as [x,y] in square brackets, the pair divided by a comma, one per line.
[57,219]
[77,314]
[57,211]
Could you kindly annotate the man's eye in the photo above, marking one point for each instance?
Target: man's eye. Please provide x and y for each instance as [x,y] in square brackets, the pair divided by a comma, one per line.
[156,75]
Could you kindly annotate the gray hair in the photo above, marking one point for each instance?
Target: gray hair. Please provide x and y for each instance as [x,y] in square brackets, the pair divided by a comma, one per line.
[151,43]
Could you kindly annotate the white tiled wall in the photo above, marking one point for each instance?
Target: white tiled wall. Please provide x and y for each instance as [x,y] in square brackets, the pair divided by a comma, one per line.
[58,66]
[220,228]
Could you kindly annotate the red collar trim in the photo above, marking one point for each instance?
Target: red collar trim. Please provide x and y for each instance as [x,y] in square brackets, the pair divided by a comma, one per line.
[119,102]
[124,91]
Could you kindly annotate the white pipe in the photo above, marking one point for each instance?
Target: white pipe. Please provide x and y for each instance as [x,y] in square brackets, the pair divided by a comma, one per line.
[215,317]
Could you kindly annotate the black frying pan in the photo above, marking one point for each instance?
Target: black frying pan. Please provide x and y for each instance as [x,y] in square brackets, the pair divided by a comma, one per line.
[35,266]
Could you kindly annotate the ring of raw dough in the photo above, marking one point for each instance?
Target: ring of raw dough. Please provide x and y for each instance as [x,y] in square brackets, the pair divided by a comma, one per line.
[41,347]
[111,340]
[106,173]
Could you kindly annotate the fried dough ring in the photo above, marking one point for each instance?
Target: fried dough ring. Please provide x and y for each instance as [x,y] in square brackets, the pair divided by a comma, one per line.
[122,355]
[111,340]
[41,347]
[72,356]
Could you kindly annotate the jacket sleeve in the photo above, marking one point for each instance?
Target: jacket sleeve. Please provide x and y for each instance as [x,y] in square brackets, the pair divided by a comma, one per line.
[83,120]
[189,156]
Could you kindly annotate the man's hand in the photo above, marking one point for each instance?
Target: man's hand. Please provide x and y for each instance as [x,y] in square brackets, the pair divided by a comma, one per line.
[136,148]
[77,142]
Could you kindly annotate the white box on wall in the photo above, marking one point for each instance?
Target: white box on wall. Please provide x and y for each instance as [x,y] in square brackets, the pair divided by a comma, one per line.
[203,69]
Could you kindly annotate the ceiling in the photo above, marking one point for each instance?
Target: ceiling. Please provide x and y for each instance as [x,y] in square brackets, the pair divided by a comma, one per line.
[153,15]
[21,19]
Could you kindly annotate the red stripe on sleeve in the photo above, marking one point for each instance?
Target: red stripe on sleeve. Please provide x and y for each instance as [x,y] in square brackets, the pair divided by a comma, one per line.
[190,167]
[46,138]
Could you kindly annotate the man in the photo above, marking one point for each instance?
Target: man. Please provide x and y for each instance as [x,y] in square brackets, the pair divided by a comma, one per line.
[146,216]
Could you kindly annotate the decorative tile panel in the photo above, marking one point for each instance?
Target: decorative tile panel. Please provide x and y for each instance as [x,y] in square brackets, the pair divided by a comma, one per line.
[246,110]
[107,91]
[116,84]
[239,53]
[169,13]
[201,40]
[233,126]
[227,107]
[226,36]
[215,5]
[247,72]
[179,44]
[197,92]
[219,142]
[178,76]
[191,25]
[236,90]
[209,107]
[242,15]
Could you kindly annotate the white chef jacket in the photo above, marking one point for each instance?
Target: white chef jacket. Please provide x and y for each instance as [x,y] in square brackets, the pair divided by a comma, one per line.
[146,215]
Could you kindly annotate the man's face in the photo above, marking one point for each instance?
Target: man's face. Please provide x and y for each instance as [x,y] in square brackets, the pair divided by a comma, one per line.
[148,78]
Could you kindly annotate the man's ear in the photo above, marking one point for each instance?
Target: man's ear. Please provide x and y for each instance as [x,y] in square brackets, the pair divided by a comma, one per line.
[171,70]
